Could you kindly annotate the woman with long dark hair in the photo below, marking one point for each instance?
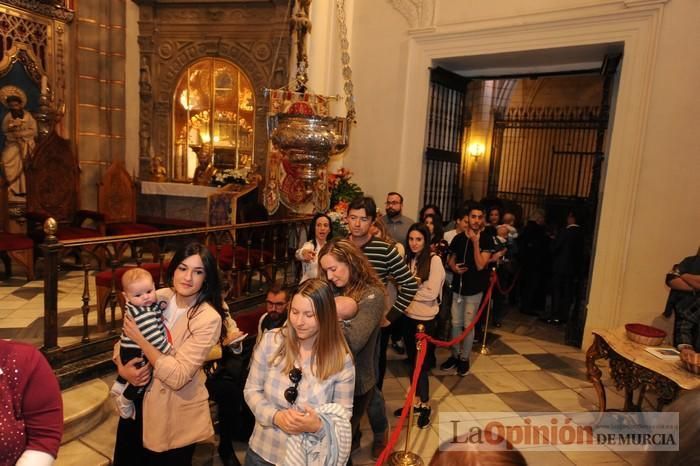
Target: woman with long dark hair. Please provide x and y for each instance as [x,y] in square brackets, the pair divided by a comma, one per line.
[493,219]
[429,209]
[320,232]
[301,382]
[175,406]
[438,245]
[428,269]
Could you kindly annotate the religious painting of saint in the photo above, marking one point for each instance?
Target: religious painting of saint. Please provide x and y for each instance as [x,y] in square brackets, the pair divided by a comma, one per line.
[20,130]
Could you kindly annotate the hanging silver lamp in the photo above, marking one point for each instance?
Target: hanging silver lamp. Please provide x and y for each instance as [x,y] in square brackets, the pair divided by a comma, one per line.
[307,140]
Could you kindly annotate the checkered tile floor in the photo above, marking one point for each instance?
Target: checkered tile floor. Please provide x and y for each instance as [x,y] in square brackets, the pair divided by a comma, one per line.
[528,369]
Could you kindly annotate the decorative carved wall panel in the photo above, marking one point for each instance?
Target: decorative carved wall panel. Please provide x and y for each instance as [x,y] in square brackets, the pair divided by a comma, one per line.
[27,31]
[254,36]
[61,10]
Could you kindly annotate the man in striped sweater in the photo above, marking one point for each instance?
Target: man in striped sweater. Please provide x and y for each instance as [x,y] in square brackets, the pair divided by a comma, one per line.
[389,265]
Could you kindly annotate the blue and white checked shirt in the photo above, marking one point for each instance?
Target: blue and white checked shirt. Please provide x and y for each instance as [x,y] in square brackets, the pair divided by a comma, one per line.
[264,393]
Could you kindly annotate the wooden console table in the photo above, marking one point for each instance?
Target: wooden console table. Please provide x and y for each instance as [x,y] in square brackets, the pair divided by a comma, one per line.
[632,368]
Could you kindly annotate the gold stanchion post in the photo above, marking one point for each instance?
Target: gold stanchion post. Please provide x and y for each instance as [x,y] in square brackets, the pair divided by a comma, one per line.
[407,457]
[484,349]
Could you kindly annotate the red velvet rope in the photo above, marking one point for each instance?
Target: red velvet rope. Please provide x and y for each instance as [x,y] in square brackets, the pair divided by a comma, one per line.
[512,285]
[424,339]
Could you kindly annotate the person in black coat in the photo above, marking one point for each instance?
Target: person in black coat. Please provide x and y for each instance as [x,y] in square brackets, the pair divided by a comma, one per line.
[533,254]
[567,268]
[684,300]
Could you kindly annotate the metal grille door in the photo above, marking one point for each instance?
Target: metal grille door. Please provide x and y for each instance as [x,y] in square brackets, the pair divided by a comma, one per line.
[547,153]
[443,153]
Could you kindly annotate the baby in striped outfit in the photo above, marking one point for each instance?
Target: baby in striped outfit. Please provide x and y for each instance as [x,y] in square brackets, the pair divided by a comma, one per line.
[144,308]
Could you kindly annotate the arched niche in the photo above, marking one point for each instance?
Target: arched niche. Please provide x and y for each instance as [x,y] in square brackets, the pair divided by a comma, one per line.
[174,35]
[213,117]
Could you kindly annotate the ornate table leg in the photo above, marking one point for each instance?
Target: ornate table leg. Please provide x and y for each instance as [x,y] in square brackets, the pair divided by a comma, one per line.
[595,352]
[667,390]
[629,400]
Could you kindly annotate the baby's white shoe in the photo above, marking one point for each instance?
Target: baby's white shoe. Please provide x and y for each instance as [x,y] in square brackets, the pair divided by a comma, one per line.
[125,408]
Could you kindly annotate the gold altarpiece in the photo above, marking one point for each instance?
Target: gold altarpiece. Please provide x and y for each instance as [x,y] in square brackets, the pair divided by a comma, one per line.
[203,68]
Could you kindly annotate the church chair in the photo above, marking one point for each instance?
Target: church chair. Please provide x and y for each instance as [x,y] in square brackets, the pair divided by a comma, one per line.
[14,245]
[20,248]
[117,205]
[53,190]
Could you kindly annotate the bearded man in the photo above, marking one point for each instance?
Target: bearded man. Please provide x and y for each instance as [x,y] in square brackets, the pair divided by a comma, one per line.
[396,223]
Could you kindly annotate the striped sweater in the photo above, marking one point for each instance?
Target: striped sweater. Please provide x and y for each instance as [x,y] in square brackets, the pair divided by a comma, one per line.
[388,264]
[149,320]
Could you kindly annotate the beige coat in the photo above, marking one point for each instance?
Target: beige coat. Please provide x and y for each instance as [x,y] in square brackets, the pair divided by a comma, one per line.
[176,404]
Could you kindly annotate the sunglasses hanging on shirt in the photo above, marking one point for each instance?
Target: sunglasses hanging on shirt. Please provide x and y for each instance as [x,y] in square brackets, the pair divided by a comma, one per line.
[291,393]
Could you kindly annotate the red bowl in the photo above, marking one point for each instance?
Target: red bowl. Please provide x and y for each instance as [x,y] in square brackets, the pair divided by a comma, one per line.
[645,330]
[645,335]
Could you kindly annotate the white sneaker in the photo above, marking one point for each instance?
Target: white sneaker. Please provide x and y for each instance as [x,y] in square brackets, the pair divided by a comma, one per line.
[125,408]
[117,388]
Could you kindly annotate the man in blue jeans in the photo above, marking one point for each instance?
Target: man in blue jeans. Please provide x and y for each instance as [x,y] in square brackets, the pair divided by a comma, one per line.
[469,256]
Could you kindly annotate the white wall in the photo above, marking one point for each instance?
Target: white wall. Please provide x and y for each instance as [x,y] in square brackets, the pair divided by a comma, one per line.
[379,65]
[666,220]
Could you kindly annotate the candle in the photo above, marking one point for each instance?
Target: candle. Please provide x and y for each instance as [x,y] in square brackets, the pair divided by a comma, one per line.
[45,84]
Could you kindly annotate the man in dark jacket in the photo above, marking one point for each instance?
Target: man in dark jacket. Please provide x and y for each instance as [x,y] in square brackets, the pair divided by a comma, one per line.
[533,254]
[567,268]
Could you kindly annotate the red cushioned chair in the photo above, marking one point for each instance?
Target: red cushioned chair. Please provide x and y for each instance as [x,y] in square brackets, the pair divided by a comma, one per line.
[225,260]
[225,256]
[19,247]
[247,321]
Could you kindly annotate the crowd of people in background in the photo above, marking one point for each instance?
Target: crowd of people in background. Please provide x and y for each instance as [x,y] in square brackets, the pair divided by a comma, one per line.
[299,390]
[435,273]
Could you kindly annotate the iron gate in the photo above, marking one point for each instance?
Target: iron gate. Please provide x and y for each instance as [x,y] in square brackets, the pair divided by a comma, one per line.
[546,156]
[442,184]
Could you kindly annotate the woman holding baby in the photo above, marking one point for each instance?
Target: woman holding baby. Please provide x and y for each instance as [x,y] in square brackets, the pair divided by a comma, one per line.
[175,406]
[347,269]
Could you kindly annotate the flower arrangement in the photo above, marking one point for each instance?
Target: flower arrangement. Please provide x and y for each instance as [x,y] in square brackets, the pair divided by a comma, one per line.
[341,188]
[230,176]
[342,191]
[339,223]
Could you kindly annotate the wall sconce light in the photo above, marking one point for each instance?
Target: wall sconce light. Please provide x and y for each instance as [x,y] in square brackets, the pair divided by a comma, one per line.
[476,149]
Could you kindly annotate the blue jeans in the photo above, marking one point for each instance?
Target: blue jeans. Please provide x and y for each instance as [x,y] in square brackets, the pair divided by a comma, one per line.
[463,312]
[376,412]
[376,407]
[253,459]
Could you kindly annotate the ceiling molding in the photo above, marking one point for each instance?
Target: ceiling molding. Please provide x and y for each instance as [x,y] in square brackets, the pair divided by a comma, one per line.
[418,13]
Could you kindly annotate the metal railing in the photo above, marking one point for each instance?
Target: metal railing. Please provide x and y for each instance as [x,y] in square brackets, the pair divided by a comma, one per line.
[251,256]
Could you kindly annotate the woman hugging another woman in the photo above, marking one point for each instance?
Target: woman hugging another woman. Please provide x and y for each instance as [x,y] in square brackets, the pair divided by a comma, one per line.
[347,269]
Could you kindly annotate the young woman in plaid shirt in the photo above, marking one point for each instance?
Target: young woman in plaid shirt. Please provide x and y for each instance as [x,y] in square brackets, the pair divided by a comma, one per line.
[295,370]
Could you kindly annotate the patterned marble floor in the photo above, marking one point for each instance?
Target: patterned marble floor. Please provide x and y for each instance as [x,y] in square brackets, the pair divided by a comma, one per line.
[528,369]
